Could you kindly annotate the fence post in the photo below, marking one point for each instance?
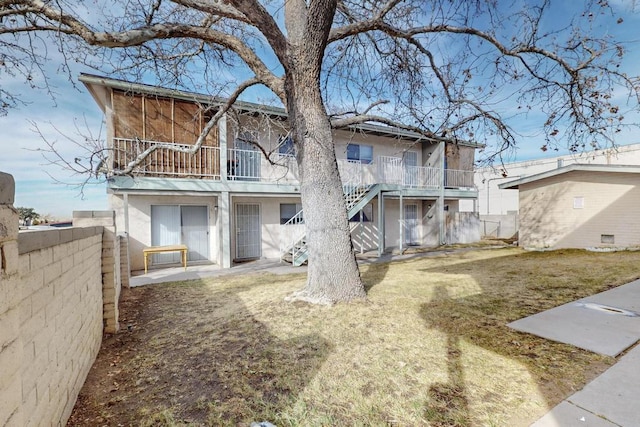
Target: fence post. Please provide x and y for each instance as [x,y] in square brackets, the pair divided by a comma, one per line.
[111,280]
[11,346]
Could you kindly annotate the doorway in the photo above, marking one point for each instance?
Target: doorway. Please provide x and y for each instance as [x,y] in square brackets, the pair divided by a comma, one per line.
[248,234]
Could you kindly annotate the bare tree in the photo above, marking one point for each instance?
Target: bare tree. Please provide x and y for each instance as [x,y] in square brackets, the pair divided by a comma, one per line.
[448,70]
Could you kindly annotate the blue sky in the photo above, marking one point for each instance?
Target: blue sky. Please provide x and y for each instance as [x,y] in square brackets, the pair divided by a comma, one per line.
[36,188]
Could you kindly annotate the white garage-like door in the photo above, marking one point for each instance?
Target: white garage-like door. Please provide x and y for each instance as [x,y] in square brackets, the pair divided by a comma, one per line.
[174,225]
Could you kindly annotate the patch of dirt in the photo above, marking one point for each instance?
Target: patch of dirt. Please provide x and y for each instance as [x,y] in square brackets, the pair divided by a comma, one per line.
[190,355]
[100,391]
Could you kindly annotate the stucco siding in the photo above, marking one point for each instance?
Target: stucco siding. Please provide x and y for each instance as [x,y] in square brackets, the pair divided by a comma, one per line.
[576,209]
[139,212]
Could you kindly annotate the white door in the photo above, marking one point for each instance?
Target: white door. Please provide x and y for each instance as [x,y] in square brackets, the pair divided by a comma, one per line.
[411,224]
[195,232]
[410,169]
[165,230]
[248,236]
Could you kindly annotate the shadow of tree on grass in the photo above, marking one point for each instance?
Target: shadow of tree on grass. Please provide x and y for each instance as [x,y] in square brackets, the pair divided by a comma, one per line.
[196,356]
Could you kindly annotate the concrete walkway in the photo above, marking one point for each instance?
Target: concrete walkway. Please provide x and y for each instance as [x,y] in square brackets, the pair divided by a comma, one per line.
[607,323]
[612,399]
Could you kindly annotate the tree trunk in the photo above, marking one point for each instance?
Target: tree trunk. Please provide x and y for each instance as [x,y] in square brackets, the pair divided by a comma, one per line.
[333,273]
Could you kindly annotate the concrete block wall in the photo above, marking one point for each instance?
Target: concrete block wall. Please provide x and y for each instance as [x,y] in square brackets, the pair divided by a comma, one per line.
[125,268]
[51,313]
[60,308]
[112,270]
[11,345]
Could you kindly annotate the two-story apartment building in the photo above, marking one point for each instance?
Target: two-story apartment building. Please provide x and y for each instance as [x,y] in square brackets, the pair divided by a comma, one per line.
[232,201]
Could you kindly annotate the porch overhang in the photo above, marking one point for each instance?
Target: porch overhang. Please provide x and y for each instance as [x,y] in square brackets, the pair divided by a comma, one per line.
[130,184]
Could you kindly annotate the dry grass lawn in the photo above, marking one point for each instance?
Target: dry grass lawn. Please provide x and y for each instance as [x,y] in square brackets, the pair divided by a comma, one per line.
[429,347]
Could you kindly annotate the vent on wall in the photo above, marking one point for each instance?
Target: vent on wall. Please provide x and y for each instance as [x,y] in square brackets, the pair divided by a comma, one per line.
[607,238]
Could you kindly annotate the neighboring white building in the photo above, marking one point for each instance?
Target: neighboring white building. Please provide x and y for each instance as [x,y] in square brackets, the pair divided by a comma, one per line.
[498,208]
[579,206]
[232,202]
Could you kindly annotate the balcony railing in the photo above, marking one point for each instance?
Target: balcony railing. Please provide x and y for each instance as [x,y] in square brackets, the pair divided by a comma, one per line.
[166,162]
[251,165]
[458,179]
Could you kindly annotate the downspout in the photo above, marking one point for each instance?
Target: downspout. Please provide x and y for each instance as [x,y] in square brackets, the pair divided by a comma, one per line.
[126,213]
[401,221]
[441,219]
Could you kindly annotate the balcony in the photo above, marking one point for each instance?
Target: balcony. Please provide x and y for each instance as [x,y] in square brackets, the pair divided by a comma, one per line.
[252,165]
[164,162]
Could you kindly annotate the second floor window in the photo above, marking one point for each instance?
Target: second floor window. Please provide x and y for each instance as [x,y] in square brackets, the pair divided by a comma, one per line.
[359,152]
[285,146]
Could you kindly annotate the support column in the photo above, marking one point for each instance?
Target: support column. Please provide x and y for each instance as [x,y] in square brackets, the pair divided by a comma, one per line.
[443,179]
[401,222]
[381,221]
[224,225]
[223,145]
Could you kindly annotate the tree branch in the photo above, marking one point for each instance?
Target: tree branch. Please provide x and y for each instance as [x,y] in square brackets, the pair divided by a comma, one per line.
[201,139]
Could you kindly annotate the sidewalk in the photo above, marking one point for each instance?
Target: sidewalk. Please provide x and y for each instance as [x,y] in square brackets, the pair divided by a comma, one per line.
[606,323]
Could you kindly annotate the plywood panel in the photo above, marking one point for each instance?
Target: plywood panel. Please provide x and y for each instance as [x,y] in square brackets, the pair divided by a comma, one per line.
[127,117]
[158,113]
[186,122]
[212,137]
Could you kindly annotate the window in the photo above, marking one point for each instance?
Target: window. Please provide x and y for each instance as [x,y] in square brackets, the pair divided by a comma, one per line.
[608,238]
[578,203]
[285,146]
[288,211]
[363,215]
[361,153]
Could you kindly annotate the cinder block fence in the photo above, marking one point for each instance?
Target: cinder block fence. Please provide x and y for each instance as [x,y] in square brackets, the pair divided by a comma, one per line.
[59,292]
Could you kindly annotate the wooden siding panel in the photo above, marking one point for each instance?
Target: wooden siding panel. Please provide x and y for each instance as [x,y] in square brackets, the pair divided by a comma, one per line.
[158,115]
[186,122]
[127,115]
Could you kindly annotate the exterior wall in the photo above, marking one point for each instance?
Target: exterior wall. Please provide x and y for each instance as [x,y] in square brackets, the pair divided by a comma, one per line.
[272,234]
[549,218]
[139,211]
[460,157]
[12,412]
[493,201]
[381,146]
[50,317]
[61,319]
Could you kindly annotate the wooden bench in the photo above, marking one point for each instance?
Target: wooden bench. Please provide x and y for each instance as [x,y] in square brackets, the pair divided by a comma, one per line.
[161,249]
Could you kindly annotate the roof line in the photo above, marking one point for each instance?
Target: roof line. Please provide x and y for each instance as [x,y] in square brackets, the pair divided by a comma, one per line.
[512,185]
[250,107]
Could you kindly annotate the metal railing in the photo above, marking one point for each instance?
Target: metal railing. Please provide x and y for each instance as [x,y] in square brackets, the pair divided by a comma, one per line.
[163,161]
[458,179]
[251,165]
